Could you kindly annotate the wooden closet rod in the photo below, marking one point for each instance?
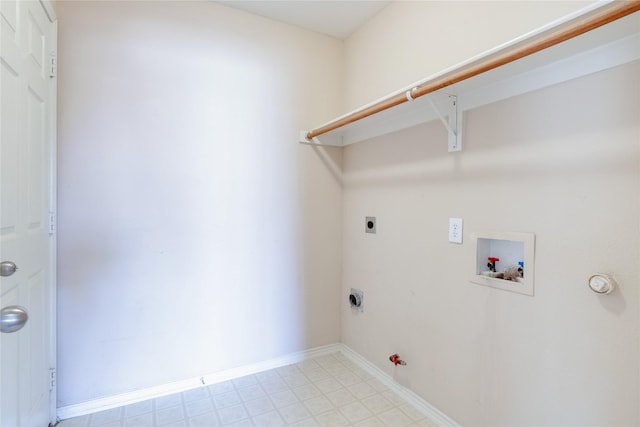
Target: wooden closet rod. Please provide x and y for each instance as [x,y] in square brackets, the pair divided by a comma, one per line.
[609,13]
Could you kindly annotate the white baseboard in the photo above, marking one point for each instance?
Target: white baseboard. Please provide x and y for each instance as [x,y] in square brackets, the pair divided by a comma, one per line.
[419,403]
[97,405]
[124,399]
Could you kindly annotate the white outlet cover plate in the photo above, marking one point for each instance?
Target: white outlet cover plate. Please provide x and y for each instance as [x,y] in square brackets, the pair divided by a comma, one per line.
[455,230]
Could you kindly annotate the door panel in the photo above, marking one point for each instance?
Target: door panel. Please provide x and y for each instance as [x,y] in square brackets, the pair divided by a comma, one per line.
[10,134]
[35,40]
[9,357]
[25,182]
[35,164]
[10,89]
[36,389]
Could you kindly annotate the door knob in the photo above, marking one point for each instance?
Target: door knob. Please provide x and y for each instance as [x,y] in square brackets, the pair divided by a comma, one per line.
[7,268]
[12,318]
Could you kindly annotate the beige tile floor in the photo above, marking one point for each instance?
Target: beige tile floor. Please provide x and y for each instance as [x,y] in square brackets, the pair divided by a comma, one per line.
[325,391]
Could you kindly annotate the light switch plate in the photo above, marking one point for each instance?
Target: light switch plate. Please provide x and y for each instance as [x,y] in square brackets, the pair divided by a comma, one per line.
[455,230]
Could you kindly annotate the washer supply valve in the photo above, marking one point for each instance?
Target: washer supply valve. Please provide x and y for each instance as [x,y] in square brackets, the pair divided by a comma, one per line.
[395,359]
[521,268]
[492,263]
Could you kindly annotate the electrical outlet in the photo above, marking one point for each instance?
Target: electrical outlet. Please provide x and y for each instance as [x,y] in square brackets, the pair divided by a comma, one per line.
[370,224]
[455,230]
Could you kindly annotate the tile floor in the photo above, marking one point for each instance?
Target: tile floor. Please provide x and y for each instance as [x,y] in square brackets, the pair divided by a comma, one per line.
[325,391]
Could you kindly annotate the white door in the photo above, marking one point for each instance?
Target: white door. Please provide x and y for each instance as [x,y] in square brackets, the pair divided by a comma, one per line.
[27,94]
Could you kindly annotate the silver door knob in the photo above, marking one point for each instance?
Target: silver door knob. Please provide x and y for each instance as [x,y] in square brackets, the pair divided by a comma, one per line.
[7,268]
[12,318]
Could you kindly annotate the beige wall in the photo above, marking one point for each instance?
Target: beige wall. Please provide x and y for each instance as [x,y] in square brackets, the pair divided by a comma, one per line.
[195,233]
[410,40]
[563,163]
[196,236]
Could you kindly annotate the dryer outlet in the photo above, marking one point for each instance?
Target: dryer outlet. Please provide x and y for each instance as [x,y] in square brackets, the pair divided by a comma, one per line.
[356,299]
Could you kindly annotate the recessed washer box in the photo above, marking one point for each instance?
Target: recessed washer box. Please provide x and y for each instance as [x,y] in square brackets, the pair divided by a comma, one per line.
[499,255]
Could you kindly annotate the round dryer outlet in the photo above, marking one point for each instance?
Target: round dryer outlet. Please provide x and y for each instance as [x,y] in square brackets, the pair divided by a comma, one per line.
[356,299]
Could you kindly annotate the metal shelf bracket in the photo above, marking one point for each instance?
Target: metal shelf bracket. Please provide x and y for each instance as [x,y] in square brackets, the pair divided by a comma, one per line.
[446,108]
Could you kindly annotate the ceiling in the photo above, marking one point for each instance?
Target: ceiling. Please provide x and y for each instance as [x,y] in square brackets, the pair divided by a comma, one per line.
[336,18]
